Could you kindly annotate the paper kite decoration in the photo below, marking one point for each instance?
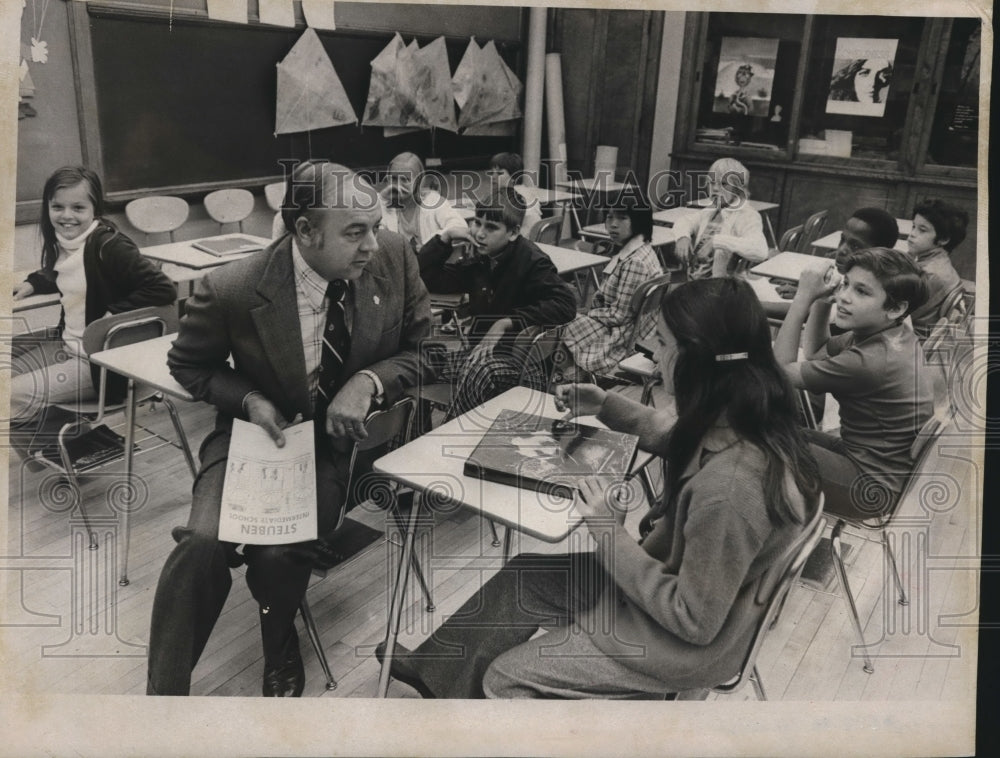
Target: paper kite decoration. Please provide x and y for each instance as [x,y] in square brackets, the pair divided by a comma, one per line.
[411,88]
[486,90]
[310,94]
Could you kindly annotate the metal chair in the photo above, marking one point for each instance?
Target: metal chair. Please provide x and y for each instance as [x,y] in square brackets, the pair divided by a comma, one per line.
[387,429]
[229,206]
[75,459]
[547,230]
[274,193]
[812,230]
[919,450]
[157,214]
[789,241]
[770,599]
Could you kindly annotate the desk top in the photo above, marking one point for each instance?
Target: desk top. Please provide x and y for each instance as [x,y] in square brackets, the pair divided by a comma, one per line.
[761,206]
[568,261]
[145,362]
[832,240]
[542,195]
[435,462]
[598,183]
[185,254]
[789,266]
[661,234]
[671,216]
[34,301]
[640,365]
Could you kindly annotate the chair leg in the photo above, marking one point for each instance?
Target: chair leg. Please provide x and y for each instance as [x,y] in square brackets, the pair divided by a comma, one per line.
[313,632]
[181,436]
[496,537]
[895,571]
[758,685]
[70,473]
[838,564]
[508,540]
[414,560]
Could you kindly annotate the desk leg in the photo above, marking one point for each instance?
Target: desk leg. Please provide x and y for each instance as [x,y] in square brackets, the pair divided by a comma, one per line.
[770,228]
[129,498]
[398,595]
[508,539]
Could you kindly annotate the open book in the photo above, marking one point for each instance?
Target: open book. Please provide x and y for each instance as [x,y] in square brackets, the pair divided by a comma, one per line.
[548,455]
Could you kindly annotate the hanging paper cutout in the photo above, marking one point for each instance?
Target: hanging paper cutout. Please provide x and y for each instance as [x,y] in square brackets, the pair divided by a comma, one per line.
[410,88]
[485,88]
[310,94]
[319,14]
[276,12]
[39,51]
[234,11]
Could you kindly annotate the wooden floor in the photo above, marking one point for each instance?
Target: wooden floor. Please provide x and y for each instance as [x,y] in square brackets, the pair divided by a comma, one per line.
[69,628]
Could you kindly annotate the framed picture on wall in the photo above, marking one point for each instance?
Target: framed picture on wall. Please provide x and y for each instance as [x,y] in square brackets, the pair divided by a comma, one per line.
[862,75]
[745,76]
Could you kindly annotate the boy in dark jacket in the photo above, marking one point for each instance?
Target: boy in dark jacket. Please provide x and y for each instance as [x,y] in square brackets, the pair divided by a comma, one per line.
[511,285]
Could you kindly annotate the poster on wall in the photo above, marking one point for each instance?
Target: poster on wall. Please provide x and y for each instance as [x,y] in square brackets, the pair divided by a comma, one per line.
[862,75]
[746,74]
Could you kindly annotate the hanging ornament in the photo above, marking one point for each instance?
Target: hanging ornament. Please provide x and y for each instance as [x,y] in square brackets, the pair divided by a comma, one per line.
[39,51]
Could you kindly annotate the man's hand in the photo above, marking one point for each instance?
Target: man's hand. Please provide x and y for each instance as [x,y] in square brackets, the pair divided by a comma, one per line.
[579,399]
[598,499]
[23,290]
[345,416]
[264,414]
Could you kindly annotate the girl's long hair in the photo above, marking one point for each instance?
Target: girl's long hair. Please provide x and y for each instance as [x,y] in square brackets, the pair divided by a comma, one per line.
[67,176]
[712,317]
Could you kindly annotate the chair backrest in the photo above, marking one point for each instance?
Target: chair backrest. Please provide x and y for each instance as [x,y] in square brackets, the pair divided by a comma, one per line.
[275,194]
[387,429]
[547,230]
[789,241]
[648,289]
[812,230]
[537,346]
[229,206]
[157,214]
[126,329]
[774,587]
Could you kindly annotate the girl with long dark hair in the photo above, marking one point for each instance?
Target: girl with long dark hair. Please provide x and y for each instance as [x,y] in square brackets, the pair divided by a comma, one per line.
[676,610]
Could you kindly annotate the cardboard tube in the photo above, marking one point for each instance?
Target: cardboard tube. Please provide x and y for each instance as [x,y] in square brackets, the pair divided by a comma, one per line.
[556,118]
[606,162]
[533,92]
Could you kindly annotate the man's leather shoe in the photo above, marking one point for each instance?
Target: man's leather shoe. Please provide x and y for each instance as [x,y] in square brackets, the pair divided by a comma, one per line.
[402,670]
[287,679]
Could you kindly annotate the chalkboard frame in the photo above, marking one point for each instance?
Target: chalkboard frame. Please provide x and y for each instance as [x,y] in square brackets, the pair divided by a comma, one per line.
[95,143]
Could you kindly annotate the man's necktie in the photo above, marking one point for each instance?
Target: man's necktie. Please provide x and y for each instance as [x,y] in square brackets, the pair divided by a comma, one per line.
[336,346]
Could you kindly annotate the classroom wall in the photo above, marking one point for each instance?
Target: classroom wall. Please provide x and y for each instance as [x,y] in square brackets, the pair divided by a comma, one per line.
[666,93]
[51,138]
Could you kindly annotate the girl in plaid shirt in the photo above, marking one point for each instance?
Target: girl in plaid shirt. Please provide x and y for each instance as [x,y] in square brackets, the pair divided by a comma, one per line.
[607,333]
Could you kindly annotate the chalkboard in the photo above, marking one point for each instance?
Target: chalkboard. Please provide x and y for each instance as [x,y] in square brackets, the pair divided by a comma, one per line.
[192,102]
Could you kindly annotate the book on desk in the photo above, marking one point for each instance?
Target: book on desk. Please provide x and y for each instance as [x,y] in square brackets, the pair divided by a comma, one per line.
[222,246]
[548,455]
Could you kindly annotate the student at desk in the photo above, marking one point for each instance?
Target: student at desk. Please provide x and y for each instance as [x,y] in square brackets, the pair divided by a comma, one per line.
[511,285]
[674,611]
[874,369]
[97,271]
[938,228]
[599,339]
[713,241]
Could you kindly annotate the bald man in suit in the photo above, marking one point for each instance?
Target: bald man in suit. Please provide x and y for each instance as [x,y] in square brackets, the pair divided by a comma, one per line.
[250,344]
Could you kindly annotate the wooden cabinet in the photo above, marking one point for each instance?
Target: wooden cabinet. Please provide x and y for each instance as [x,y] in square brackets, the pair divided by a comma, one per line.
[809,151]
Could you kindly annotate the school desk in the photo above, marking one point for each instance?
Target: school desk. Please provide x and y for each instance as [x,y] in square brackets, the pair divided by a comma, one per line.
[591,186]
[145,364]
[789,266]
[662,235]
[185,254]
[434,465]
[671,216]
[832,240]
[646,370]
[575,262]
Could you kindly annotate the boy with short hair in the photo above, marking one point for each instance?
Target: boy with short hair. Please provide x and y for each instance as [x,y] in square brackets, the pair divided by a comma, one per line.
[938,228]
[511,285]
[875,370]
[507,169]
